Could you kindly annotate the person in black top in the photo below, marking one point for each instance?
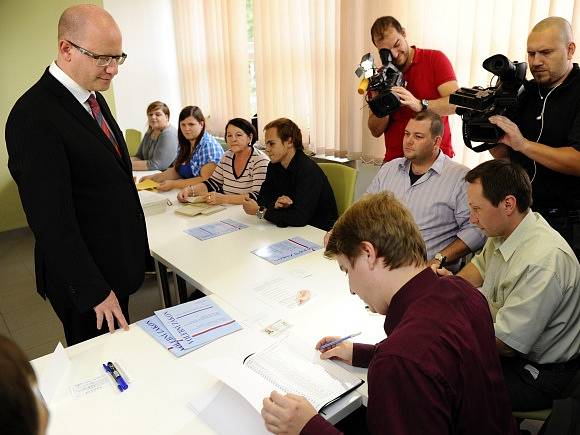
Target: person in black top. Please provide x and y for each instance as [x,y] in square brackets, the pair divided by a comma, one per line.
[545,135]
[296,192]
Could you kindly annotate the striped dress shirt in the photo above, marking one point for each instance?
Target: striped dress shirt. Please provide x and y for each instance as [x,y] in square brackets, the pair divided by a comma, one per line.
[224,179]
[437,200]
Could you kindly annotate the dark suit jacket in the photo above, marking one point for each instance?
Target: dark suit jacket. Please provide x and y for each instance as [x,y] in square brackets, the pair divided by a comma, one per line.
[78,195]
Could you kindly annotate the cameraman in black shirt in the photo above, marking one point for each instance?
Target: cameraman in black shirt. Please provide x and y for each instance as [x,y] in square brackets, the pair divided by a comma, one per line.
[545,137]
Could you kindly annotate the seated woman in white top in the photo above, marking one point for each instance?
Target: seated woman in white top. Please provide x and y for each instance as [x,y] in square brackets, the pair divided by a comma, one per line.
[158,148]
[241,171]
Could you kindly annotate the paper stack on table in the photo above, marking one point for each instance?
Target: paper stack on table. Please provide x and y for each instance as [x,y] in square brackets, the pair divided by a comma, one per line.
[189,326]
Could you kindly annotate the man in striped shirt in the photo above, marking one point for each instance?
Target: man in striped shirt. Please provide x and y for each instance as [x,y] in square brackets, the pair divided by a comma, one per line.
[433,188]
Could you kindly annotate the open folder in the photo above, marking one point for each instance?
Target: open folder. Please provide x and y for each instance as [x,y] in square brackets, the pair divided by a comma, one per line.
[288,367]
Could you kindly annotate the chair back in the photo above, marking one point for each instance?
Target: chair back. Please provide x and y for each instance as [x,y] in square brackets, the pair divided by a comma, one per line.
[133,139]
[342,179]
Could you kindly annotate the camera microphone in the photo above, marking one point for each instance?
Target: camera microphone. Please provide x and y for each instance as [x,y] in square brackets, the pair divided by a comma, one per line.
[362,87]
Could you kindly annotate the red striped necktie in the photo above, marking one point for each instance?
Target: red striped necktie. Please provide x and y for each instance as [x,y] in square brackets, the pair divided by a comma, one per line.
[96,110]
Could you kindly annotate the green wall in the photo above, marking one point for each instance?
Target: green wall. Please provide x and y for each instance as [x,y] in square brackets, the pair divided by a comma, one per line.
[27,46]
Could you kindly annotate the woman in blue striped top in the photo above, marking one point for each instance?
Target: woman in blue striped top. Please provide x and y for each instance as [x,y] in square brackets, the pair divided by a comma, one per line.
[198,155]
[241,171]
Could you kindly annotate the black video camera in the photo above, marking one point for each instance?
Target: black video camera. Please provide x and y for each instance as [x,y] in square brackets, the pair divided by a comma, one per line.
[477,104]
[377,82]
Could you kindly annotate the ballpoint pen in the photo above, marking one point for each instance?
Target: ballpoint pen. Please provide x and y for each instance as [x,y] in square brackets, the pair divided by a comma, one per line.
[112,370]
[338,341]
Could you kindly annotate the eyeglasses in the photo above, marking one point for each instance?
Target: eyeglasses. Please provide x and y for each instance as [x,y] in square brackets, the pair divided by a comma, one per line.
[100,59]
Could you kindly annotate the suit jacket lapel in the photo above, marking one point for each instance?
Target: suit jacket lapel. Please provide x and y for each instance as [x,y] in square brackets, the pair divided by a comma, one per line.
[71,104]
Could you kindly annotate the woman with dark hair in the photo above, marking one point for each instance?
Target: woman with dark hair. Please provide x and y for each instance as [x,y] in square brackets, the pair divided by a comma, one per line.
[158,148]
[241,171]
[22,408]
[198,155]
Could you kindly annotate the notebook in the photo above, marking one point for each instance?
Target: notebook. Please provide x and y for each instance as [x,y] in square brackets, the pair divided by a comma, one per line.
[200,208]
[287,366]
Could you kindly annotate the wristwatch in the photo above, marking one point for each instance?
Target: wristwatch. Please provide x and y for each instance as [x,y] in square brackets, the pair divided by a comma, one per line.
[261,212]
[440,258]
[424,104]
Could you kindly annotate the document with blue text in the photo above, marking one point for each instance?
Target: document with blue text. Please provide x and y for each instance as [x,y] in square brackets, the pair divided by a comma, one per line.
[286,250]
[209,231]
[196,323]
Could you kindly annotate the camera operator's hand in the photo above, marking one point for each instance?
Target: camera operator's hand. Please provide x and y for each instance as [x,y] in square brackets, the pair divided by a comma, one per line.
[407,98]
[512,136]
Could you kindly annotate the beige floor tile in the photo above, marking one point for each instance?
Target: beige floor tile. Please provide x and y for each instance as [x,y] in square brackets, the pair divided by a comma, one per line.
[44,348]
[31,315]
[38,333]
[20,284]
[3,328]
[18,299]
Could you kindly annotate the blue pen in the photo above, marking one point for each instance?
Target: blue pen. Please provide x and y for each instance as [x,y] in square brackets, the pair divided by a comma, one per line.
[112,370]
[338,341]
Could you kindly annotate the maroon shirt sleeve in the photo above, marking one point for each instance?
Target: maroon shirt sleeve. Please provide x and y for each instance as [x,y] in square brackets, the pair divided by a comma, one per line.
[319,426]
[405,399]
[362,354]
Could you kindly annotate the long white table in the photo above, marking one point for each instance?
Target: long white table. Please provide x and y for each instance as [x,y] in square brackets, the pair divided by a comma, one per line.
[224,268]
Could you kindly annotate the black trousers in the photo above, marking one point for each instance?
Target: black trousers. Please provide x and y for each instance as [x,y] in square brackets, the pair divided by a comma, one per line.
[532,386]
[82,326]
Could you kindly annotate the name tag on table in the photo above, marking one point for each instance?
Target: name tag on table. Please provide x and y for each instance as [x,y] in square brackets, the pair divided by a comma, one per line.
[286,250]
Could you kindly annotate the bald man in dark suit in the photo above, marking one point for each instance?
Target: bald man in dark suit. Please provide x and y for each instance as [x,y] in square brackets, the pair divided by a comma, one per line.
[70,162]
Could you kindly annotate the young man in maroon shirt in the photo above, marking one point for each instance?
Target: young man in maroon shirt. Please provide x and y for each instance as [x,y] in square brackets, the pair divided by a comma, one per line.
[438,371]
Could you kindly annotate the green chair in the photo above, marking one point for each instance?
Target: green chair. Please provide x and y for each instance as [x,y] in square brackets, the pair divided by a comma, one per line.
[540,415]
[133,139]
[342,179]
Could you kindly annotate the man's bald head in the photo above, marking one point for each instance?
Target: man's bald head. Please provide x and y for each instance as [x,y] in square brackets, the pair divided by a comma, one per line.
[558,24]
[86,32]
[78,21]
[550,51]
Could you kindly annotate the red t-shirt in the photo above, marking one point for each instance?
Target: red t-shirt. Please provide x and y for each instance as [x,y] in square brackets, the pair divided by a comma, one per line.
[429,69]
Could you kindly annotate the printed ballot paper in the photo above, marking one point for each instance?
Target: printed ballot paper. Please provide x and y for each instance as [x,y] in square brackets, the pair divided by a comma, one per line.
[189,326]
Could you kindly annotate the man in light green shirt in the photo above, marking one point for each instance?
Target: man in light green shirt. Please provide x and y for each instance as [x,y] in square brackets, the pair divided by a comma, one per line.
[531,279]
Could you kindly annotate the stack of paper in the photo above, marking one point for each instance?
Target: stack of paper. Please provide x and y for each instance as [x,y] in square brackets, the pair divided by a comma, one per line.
[189,326]
[152,202]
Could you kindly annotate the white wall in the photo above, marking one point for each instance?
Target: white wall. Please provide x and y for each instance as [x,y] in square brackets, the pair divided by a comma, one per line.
[150,71]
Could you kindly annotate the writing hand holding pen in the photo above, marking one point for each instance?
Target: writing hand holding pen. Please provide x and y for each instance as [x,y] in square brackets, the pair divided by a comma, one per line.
[341,350]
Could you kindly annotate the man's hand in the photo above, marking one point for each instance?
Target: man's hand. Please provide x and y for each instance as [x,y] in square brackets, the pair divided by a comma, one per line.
[283,202]
[250,206]
[342,351]
[407,99]
[440,272]
[286,414]
[512,136]
[110,310]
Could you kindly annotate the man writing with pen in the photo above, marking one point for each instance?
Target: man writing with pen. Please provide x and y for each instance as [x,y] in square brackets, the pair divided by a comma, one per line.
[423,378]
